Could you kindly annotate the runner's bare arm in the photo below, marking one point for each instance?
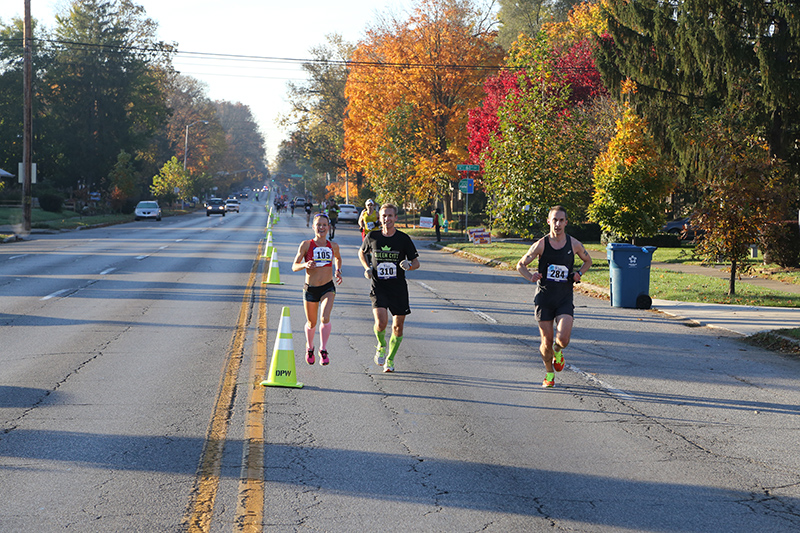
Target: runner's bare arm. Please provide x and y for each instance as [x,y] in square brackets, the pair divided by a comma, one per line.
[581,252]
[337,262]
[299,261]
[534,252]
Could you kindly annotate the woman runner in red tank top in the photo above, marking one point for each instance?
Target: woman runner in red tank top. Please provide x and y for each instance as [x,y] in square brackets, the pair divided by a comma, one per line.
[320,258]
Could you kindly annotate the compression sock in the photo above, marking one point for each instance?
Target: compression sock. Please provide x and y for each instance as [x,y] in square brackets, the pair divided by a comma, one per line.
[394,344]
[381,335]
[325,333]
[310,336]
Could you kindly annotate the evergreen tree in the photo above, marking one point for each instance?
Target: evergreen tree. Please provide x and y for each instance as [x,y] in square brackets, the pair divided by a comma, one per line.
[690,58]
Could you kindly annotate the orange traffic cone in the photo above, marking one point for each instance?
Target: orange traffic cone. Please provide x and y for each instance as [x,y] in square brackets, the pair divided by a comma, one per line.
[282,371]
[274,274]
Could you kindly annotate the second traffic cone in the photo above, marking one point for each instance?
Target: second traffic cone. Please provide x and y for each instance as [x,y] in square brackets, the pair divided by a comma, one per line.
[268,248]
[269,219]
[274,275]
[282,370]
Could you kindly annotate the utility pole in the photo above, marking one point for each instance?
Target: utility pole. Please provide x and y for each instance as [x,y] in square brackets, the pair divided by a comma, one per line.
[27,134]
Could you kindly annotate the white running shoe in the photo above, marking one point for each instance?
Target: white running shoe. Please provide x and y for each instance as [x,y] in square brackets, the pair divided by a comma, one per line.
[380,355]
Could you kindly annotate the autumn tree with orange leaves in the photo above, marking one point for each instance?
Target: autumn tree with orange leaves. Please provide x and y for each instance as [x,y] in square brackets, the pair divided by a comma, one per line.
[410,87]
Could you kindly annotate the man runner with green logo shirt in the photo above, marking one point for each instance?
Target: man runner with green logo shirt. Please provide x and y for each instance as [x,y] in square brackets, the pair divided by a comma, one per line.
[386,254]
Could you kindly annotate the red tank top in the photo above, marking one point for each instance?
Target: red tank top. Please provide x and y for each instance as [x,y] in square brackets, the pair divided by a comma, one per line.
[322,255]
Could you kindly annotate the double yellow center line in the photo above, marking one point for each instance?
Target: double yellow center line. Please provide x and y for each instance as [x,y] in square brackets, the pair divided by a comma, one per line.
[250,507]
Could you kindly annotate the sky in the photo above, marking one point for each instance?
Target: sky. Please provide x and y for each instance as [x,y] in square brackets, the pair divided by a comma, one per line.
[255,28]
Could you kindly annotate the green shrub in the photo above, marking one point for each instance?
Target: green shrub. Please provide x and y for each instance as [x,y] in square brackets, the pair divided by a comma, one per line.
[781,244]
[51,202]
[589,232]
[128,207]
[661,240]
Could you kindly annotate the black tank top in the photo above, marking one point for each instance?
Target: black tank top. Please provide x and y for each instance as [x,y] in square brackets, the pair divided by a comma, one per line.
[556,266]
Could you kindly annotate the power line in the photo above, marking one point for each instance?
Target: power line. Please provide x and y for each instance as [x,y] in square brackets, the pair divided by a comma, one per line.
[290,60]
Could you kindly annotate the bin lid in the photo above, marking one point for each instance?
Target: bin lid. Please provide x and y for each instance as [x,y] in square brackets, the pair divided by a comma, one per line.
[626,247]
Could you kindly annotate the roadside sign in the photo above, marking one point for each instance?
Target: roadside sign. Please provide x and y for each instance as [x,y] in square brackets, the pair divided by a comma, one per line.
[468,168]
[466,186]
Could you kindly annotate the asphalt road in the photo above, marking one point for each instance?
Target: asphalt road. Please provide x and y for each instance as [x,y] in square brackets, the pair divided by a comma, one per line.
[111,383]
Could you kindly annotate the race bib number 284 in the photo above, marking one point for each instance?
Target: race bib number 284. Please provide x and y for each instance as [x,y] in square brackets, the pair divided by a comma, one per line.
[557,273]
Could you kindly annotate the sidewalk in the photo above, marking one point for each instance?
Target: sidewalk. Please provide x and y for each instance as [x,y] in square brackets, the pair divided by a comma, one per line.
[741,319]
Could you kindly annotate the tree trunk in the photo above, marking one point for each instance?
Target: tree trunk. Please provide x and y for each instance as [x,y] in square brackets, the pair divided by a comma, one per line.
[448,205]
[732,285]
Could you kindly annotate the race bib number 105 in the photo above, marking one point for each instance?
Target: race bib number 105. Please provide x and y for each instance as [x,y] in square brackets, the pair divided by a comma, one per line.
[323,256]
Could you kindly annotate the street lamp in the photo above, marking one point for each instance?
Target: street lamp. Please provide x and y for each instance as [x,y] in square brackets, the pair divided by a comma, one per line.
[186,140]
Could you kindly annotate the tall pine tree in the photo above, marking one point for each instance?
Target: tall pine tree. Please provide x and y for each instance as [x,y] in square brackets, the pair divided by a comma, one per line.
[691,58]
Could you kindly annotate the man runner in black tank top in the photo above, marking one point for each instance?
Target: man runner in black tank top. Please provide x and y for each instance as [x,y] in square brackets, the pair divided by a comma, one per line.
[554,278]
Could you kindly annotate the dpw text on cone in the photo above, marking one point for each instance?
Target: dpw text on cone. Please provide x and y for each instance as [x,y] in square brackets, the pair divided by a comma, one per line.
[282,371]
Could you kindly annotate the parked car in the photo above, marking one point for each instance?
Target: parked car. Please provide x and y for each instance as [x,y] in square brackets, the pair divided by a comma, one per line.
[682,227]
[232,204]
[147,209]
[676,226]
[215,206]
[348,213]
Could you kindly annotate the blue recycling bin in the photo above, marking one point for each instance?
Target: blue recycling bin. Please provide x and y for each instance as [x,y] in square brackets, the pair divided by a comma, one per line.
[629,270]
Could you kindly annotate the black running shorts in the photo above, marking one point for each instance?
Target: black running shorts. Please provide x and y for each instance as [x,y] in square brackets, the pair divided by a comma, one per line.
[392,297]
[315,294]
[548,305]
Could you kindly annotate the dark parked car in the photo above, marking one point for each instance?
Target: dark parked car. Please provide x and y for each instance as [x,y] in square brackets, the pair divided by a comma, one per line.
[215,206]
[676,226]
[682,227]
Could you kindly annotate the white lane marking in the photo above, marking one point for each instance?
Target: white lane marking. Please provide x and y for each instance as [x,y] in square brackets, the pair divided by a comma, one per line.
[179,240]
[600,383]
[56,294]
[483,315]
[164,247]
[424,286]
[480,314]
[107,271]
[17,256]
[142,257]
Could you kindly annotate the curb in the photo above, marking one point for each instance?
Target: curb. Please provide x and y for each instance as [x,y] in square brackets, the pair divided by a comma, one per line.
[770,339]
[583,287]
